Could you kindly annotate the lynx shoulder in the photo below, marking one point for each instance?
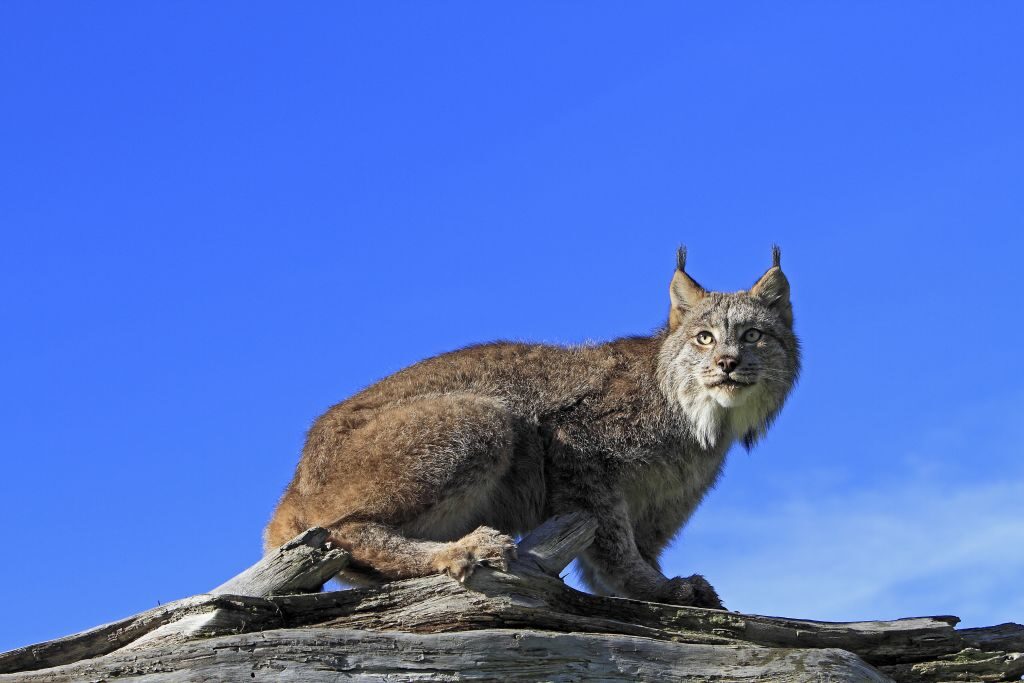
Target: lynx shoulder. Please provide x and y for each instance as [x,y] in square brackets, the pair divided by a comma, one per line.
[437,467]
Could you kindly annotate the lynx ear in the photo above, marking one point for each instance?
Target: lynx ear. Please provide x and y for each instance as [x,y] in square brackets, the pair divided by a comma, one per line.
[683,291]
[773,288]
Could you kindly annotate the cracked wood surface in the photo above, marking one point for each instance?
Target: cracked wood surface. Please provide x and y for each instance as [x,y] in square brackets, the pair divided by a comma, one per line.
[487,655]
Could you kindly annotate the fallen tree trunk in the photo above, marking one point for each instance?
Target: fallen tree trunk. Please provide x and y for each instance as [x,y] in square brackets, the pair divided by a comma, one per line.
[523,624]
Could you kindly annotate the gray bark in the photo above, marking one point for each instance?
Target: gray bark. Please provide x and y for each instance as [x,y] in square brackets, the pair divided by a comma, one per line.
[523,624]
[319,654]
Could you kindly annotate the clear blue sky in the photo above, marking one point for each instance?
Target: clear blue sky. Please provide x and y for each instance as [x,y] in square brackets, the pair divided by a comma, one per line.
[219,219]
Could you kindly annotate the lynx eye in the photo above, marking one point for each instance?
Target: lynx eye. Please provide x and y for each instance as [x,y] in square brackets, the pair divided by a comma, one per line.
[705,338]
[751,335]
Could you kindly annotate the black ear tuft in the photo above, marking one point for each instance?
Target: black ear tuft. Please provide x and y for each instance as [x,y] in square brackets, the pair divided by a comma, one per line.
[773,288]
[683,291]
[776,256]
[681,257]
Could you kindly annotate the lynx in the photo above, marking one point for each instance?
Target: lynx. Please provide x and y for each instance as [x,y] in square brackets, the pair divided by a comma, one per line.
[437,467]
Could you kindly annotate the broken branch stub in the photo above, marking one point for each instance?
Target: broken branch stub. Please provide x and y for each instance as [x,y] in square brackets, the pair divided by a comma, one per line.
[555,543]
[302,565]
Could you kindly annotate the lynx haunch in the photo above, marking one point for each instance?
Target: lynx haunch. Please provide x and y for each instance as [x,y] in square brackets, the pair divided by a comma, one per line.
[436,468]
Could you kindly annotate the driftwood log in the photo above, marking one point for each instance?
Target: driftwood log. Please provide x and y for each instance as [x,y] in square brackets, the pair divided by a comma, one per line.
[525,624]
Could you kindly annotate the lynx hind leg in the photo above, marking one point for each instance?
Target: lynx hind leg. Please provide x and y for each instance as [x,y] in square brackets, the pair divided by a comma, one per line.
[422,476]
[383,553]
[484,547]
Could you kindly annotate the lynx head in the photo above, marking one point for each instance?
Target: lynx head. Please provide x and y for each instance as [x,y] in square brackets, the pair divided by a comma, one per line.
[728,360]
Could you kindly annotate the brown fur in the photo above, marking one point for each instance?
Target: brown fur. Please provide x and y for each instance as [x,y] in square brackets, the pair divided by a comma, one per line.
[436,467]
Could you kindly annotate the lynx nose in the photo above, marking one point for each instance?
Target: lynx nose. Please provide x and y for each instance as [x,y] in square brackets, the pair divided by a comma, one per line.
[727,363]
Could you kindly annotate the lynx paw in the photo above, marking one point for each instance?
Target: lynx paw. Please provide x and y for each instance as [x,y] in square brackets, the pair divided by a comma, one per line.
[485,546]
[692,591]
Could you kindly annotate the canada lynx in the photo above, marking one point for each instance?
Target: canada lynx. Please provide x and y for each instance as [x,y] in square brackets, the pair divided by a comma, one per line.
[436,467]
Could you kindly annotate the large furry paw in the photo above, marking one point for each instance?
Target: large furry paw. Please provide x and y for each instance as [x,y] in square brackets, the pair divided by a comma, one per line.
[692,591]
[484,547]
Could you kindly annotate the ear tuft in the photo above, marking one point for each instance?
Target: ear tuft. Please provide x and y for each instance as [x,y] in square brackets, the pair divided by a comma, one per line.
[683,291]
[681,257]
[773,288]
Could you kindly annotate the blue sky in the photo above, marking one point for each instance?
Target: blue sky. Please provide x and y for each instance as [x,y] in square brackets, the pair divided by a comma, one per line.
[220,219]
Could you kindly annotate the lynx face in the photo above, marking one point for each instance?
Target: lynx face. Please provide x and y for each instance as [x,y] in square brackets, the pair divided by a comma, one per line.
[729,360]
[734,349]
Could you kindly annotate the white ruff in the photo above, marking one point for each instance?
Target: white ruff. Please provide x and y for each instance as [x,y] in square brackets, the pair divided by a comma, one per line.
[716,414]
[749,415]
[705,417]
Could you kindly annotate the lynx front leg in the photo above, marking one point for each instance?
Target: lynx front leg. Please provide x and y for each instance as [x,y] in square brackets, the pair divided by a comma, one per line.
[652,532]
[616,565]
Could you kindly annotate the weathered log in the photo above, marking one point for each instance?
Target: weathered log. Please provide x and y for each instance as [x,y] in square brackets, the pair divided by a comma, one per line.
[302,564]
[520,624]
[102,639]
[321,654]
[436,604]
